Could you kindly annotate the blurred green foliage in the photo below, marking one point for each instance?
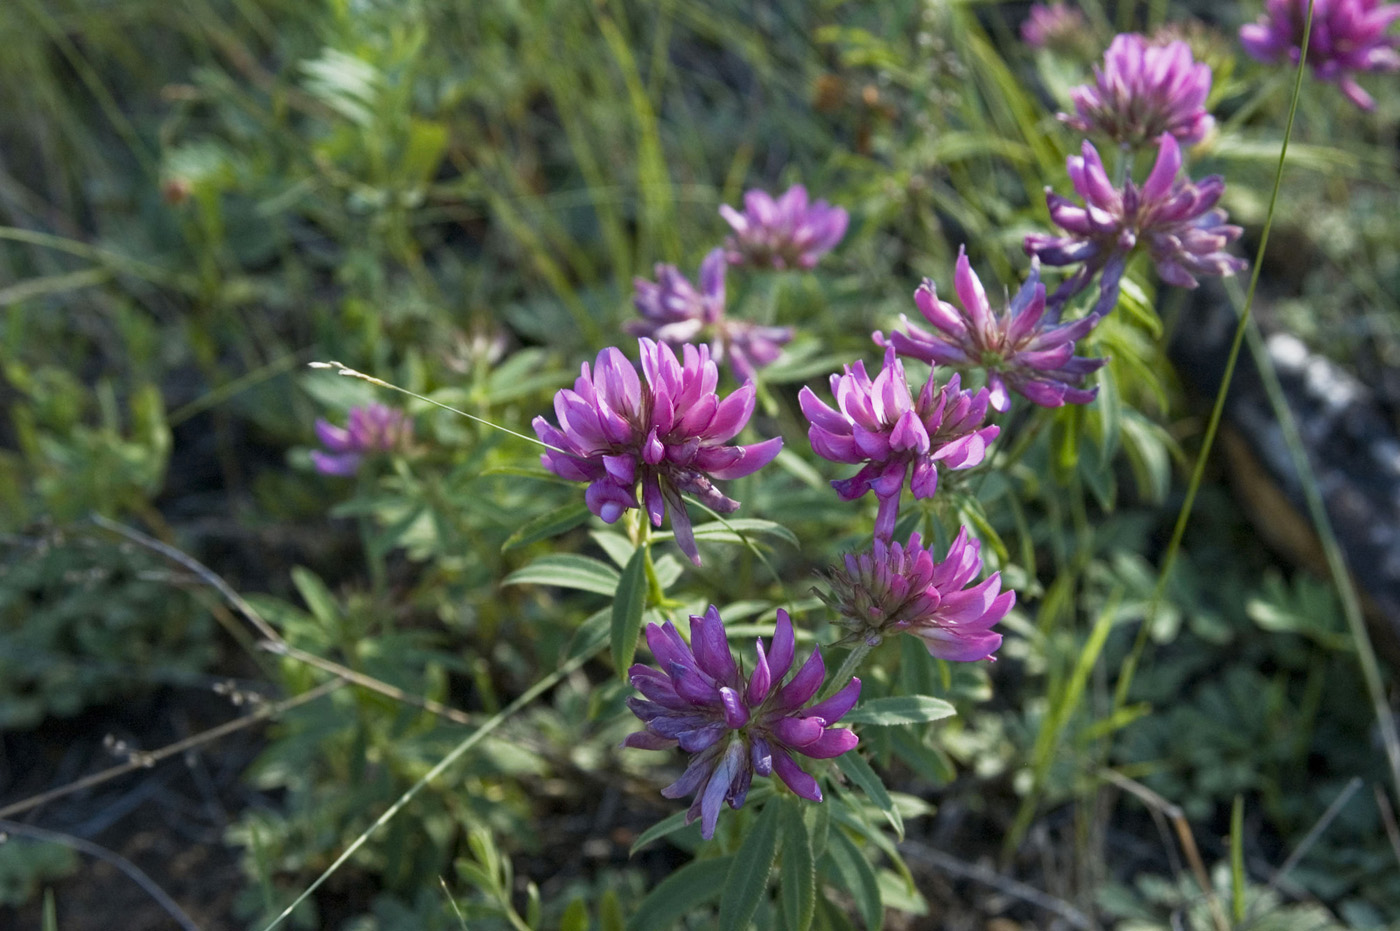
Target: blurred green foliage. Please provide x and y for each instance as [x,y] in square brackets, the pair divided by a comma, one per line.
[84,621]
[197,198]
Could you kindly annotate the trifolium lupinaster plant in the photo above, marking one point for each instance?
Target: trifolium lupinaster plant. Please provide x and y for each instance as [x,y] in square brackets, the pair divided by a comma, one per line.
[671,434]
[651,443]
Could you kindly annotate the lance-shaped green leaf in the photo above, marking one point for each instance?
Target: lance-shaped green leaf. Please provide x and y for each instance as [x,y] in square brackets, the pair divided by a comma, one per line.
[859,772]
[900,709]
[679,894]
[747,880]
[567,571]
[858,877]
[736,530]
[628,603]
[797,877]
[667,825]
[548,525]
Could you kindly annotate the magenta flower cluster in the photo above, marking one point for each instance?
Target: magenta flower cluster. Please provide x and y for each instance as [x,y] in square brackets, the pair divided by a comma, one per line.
[1056,26]
[374,428]
[735,726]
[788,232]
[1176,220]
[1144,94]
[1023,348]
[1142,91]
[896,588]
[770,234]
[669,436]
[1348,37]
[877,422]
[673,311]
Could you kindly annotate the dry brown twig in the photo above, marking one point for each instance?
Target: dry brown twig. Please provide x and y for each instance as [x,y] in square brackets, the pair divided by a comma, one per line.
[1184,837]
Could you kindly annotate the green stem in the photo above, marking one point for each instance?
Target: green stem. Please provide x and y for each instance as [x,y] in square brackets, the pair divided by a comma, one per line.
[1125,680]
[1336,560]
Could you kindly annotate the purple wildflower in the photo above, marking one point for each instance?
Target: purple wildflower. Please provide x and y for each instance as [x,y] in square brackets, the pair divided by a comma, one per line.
[1348,37]
[1184,235]
[786,233]
[1024,348]
[669,435]
[880,424]
[900,588]
[1058,27]
[1142,91]
[735,727]
[674,312]
[374,428]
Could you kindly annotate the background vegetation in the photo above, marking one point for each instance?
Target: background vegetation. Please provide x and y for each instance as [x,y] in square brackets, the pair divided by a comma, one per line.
[199,198]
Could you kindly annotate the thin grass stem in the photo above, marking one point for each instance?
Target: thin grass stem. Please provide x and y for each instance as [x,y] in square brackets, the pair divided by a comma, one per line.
[1130,665]
[1332,551]
[525,698]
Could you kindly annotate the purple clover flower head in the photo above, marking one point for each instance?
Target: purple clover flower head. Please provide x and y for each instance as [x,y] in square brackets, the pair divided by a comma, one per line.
[1024,349]
[1347,38]
[880,424]
[1057,26]
[674,312]
[1142,91]
[1175,219]
[735,727]
[900,588]
[784,233]
[670,436]
[374,428]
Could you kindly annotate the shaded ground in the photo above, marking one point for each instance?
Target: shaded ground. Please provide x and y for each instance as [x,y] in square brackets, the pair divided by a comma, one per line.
[168,821]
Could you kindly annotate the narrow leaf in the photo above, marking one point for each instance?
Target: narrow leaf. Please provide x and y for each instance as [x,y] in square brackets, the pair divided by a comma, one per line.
[738,529]
[319,600]
[575,917]
[610,912]
[628,604]
[591,635]
[747,881]
[900,709]
[858,771]
[679,894]
[668,825]
[547,525]
[797,879]
[567,571]
[858,877]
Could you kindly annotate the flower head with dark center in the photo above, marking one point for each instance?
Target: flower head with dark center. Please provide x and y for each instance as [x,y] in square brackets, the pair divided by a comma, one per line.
[784,233]
[1142,91]
[374,428]
[1174,219]
[675,312]
[1348,37]
[896,588]
[669,436]
[879,423]
[1024,348]
[735,727]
